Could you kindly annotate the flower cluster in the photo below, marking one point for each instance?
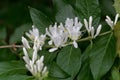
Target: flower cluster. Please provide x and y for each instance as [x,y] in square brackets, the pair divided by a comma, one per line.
[63,35]
[36,38]
[90,29]
[59,36]
[35,63]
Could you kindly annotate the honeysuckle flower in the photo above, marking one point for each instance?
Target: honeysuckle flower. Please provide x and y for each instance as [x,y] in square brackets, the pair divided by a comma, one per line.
[35,65]
[35,36]
[110,22]
[90,29]
[88,24]
[58,36]
[93,34]
[33,33]
[39,42]
[73,29]
[25,42]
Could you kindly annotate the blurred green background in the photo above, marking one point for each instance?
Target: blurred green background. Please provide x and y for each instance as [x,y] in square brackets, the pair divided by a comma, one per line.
[14,13]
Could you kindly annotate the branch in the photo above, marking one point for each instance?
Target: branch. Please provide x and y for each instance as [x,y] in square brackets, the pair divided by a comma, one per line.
[11,46]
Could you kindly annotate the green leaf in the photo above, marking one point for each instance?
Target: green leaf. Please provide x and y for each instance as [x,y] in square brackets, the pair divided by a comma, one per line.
[58,4]
[48,57]
[39,19]
[63,11]
[115,74]
[16,37]
[107,9]
[15,77]
[12,67]
[56,72]
[69,60]
[117,6]
[87,8]
[50,78]
[85,72]
[102,56]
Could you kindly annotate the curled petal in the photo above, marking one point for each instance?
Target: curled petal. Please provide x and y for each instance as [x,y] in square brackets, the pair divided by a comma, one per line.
[50,42]
[34,57]
[75,44]
[92,32]
[98,31]
[52,49]
[25,43]
[44,71]
[86,24]
[116,18]
[90,22]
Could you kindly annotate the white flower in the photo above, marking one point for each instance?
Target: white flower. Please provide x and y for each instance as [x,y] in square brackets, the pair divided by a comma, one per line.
[88,24]
[58,36]
[90,29]
[35,36]
[73,28]
[33,33]
[35,65]
[110,22]
[25,43]
[39,42]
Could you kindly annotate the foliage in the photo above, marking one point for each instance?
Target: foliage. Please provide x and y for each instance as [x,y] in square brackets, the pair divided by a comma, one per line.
[92,60]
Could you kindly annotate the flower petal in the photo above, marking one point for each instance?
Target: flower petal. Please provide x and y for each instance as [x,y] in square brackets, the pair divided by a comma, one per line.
[75,44]
[98,31]
[52,49]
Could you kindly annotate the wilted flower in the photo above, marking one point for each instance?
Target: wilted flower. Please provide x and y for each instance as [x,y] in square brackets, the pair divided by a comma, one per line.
[39,42]
[58,36]
[110,22]
[33,33]
[90,29]
[35,65]
[35,36]
[73,28]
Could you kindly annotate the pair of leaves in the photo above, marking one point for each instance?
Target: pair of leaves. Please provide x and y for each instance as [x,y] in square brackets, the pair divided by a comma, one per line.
[81,8]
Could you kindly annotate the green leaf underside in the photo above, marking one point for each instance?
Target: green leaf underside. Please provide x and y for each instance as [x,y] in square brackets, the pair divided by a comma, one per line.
[87,8]
[39,19]
[57,72]
[63,11]
[115,74]
[85,72]
[117,5]
[16,36]
[102,55]
[69,60]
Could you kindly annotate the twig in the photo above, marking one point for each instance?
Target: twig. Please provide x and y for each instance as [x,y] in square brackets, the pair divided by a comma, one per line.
[11,46]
